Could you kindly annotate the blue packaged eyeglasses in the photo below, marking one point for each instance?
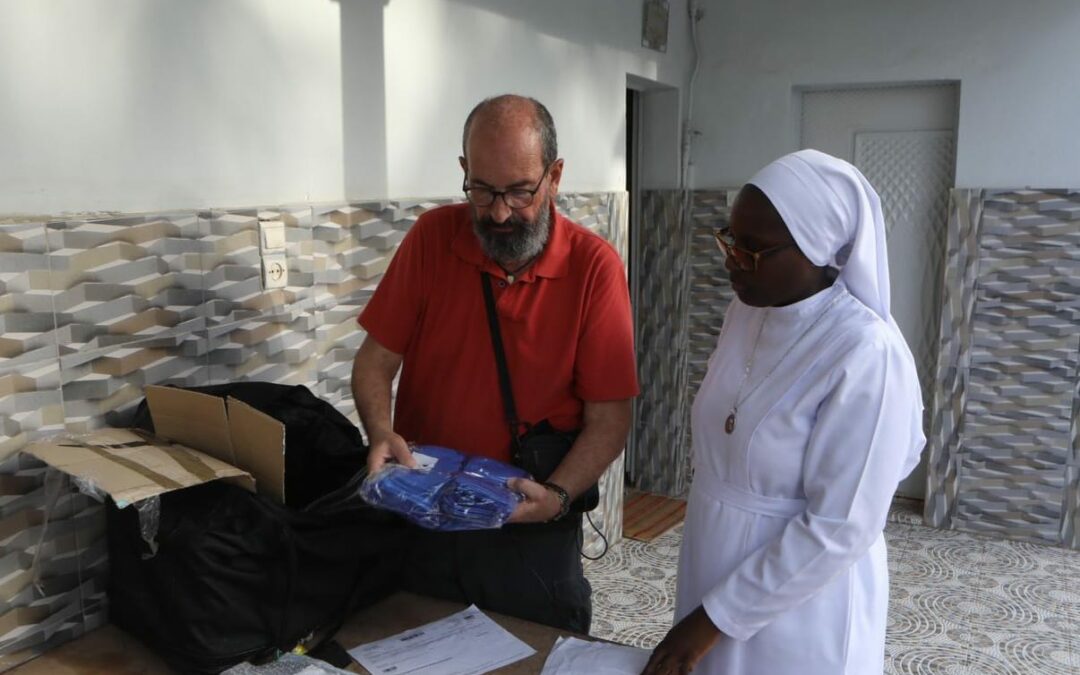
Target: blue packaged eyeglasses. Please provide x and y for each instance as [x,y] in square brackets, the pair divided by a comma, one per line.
[447,491]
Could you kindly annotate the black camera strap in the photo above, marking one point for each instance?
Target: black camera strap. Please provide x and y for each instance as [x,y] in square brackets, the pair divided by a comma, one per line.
[509,409]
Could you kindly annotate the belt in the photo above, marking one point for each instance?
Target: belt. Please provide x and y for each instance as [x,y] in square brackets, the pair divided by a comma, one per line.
[729,495]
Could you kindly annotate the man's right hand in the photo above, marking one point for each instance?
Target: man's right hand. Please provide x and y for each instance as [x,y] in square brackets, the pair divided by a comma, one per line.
[389,447]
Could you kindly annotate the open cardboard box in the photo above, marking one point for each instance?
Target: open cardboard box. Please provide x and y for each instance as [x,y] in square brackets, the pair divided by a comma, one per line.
[198,438]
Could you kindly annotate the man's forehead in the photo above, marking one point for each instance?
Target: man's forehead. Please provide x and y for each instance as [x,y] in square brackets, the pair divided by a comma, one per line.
[504,133]
[507,159]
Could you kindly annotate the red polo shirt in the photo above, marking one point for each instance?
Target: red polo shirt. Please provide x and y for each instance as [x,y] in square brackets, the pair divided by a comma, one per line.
[565,322]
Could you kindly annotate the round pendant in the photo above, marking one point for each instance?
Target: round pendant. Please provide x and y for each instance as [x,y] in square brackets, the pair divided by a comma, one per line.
[729,425]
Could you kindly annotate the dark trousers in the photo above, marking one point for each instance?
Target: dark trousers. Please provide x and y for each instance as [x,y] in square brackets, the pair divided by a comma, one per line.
[529,571]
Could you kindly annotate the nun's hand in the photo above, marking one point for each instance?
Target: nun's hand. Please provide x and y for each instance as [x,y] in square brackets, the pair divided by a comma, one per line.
[684,645]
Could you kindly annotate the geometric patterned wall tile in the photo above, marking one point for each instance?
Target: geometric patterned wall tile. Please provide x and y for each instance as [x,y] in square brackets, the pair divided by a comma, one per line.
[30,404]
[677,280]
[27,327]
[337,253]
[269,347]
[307,333]
[232,265]
[606,214]
[102,387]
[710,288]
[53,559]
[353,244]
[593,211]
[658,460]
[68,549]
[1070,520]
[1003,439]
[961,272]
[124,279]
[337,339]
[93,311]
[29,376]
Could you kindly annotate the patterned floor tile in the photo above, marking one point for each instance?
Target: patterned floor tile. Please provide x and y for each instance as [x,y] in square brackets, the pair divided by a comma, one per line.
[953,659]
[634,590]
[960,603]
[906,511]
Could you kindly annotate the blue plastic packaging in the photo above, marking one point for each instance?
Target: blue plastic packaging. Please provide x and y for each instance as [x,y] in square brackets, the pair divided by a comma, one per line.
[448,491]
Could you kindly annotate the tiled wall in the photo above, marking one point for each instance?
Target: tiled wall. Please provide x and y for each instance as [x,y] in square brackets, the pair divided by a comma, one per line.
[1005,436]
[1004,439]
[94,310]
[682,291]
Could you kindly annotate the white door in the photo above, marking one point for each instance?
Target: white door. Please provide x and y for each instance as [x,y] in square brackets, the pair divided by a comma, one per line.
[903,138]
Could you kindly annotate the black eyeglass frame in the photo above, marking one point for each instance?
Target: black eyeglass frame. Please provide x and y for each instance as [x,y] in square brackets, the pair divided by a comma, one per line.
[495,194]
[736,253]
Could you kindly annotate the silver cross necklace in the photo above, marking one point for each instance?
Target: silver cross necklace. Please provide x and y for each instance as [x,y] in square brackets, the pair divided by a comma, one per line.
[729,423]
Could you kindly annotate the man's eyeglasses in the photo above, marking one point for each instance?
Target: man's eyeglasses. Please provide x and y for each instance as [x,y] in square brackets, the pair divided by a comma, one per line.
[515,198]
[744,259]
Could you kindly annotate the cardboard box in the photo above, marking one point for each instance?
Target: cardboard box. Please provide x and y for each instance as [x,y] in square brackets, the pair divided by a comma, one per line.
[53,554]
[198,438]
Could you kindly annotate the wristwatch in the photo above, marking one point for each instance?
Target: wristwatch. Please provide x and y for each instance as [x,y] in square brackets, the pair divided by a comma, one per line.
[564,499]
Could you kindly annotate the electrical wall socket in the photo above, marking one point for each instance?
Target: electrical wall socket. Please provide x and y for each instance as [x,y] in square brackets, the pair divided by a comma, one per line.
[275,270]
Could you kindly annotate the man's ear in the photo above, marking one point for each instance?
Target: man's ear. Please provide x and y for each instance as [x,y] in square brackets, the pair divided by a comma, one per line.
[464,165]
[555,174]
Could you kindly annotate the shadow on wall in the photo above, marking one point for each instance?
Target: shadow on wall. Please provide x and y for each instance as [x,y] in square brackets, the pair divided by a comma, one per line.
[363,98]
[573,20]
[224,75]
[441,58]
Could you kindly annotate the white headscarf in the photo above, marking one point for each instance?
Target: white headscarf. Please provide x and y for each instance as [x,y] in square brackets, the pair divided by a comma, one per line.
[834,214]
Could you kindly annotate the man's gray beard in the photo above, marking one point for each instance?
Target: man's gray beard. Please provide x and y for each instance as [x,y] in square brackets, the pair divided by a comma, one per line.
[525,242]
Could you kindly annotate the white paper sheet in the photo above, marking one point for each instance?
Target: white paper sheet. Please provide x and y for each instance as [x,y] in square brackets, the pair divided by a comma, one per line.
[466,643]
[572,656]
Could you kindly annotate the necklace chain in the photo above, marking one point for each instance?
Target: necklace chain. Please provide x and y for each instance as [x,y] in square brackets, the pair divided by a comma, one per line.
[511,274]
[729,424]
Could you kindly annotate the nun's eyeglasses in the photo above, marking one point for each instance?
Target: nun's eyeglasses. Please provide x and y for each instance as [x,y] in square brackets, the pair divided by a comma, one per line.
[745,260]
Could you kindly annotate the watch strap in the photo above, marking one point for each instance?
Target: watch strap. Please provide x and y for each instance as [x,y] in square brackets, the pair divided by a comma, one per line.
[564,499]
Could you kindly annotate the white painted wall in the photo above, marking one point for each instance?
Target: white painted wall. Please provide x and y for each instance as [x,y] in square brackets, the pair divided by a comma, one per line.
[1017,62]
[138,105]
[141,105]
[661,138]
[443,57]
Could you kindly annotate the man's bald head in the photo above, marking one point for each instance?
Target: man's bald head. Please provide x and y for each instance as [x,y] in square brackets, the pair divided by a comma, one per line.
[510,111]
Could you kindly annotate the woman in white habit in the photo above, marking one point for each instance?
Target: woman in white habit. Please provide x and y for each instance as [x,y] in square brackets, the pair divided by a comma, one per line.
[808,418]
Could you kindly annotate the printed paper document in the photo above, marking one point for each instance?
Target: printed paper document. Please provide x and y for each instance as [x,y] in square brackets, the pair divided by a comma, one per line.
[466,643]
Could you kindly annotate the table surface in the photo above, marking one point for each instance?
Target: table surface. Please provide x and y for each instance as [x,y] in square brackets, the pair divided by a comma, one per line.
[111,650]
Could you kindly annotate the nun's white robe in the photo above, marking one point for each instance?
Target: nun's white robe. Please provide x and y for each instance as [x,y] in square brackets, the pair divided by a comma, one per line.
[783,539]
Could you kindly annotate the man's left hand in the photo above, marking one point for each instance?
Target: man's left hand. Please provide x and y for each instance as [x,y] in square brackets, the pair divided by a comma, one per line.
[539,505]
[685,645]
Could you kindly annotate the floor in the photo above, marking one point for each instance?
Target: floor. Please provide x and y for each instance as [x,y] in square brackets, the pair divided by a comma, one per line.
[961,604]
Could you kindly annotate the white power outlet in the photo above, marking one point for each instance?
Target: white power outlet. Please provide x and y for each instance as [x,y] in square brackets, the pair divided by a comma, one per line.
[275,271]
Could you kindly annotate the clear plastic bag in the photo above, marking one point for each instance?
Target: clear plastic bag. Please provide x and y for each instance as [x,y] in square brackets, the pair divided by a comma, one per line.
[149,520]
[287,664]
[149,509]
[448,491]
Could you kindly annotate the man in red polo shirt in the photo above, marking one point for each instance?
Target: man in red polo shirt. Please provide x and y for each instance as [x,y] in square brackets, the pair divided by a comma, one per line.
[564,313]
